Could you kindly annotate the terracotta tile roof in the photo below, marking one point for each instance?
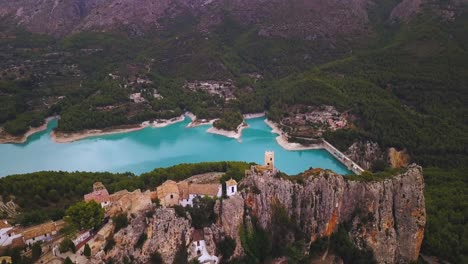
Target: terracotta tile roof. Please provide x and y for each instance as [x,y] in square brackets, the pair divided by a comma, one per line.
[14,230]
[7,259]
[198,235]
[204,189]
[39,230]
[98,196]
[59,224]
[17,242]
[231,182]
[166,188]
[183,190]
[4,224]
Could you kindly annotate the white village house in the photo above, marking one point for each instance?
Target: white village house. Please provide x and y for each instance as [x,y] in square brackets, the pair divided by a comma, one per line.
[231,187]
[8,234]
[199,248]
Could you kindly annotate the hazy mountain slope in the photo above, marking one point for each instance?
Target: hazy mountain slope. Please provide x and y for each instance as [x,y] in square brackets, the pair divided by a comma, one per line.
[298,18]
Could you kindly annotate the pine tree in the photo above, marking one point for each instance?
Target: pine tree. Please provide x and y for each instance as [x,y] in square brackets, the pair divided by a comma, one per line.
[36,251]
[87,251]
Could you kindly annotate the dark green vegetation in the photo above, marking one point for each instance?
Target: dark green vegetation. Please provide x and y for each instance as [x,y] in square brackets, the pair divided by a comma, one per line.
[84,215]
[36,251]
[120,221]
[67,245]
[53,192]
[285,239]
[87,251]
[201,213]
[447,209]
[341,244]
[229,121]
[181,256]
[226,248]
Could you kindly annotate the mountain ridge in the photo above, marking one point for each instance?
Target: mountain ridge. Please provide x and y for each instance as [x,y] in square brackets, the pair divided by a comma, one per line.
[279,18]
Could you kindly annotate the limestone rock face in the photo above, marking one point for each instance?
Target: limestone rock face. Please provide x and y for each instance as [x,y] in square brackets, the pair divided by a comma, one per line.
[231,218]
[129,202]
[398,159]
[8,209]
[365,153]
[165,233]
[387,216]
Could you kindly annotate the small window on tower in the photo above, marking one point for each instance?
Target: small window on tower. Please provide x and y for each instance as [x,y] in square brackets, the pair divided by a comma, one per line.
[232,189]
[271,159]
[172,196]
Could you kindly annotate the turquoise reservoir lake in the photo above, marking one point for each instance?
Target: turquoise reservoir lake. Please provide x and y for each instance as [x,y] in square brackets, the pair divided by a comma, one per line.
[150,148]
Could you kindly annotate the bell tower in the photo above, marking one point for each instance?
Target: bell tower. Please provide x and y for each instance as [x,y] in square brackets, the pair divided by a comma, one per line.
[270,159]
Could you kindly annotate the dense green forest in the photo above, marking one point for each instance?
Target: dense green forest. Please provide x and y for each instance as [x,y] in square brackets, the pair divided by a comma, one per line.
[229,120]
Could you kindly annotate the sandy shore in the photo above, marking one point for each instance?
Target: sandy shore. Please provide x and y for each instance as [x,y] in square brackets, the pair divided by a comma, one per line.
[282,139]
[60,137]
[164,122]
[198,122]
[254,115]
[230,134]
[6,138]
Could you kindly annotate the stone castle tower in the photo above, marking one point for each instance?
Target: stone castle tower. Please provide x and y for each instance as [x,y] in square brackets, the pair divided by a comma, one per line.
[98,186]
[270,159]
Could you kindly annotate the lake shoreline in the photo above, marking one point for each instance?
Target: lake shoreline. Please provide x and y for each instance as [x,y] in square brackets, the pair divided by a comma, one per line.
[282,139]
[229,133]
[60,137]
[10,139]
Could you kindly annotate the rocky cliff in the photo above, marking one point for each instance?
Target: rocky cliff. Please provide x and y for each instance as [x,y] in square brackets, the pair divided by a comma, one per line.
[365,153]
[387,216]
[293,18]
[164,232]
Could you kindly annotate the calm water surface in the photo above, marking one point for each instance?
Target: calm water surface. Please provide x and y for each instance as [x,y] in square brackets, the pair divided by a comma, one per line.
[146,149]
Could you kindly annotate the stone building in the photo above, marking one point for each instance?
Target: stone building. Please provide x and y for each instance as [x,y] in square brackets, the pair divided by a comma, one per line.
[9,235]
[168,193]
[43,232]
[100,195]
[268,168]
[231,187]
[171,193]
[269,159]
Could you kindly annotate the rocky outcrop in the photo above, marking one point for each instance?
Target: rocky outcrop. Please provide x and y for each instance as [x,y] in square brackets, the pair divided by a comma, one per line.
[129,202]
[8,209]
[165,233]
[311,20]
[398,159]
[231,217]
[365,153]
[387,217]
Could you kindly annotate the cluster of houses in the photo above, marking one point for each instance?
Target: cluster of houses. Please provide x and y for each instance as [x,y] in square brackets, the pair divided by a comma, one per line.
[15,236]
[170,193]
[223,89]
